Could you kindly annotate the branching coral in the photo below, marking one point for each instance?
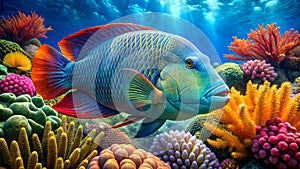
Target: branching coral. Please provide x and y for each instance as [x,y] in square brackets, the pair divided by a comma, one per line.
[265,44]
[22,28]
[258,70]
[244,112]
[65,149]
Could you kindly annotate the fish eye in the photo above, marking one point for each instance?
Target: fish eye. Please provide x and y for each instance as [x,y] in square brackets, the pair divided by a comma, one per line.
[189,63]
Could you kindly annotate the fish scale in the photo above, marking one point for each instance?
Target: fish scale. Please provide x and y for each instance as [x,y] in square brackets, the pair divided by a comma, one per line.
[117,57]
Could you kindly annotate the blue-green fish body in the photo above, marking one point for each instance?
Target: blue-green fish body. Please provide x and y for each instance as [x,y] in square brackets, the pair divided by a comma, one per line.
[149,74]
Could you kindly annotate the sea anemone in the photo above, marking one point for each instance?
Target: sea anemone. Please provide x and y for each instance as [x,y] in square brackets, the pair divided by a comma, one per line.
[22,28]
[277,144]
[182,150]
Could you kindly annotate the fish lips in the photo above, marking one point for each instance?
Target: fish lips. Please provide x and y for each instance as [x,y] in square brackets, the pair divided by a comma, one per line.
[216,97]
[213,99]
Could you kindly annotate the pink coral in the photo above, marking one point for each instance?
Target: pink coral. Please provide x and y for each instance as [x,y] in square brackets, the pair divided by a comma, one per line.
[259,69]
[17,84]
[277,144]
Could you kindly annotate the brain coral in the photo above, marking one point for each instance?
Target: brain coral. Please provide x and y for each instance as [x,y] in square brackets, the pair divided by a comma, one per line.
[126,156]
[112,135]
[182,150]
[231,73]
[24,111]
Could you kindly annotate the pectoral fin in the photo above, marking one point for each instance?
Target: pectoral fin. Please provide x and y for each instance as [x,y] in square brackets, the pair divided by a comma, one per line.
[140,91]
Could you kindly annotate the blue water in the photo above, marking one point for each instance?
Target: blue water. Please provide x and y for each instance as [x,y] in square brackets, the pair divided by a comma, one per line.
[218,20]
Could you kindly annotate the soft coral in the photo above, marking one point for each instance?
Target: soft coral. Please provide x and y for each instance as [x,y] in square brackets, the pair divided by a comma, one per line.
[22,28]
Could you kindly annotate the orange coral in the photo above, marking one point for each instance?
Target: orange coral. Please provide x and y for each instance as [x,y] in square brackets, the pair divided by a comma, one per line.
[22,28]
[265,44]
[126,156]
[244,112]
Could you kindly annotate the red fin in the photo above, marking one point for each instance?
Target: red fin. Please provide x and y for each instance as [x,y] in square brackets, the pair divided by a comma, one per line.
[80,105]
[129,120]
[48,72]
[77,45]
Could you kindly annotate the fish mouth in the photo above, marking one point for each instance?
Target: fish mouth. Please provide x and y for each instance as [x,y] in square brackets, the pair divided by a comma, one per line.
[216,96]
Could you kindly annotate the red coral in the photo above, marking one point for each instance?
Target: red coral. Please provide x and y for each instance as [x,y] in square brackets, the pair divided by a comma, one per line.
[265,44]
[22,28]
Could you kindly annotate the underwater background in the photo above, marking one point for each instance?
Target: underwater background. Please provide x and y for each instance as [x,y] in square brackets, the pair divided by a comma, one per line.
[254,46]
[219,20]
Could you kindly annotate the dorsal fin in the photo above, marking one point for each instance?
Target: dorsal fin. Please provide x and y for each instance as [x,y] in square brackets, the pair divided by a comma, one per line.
[83,41]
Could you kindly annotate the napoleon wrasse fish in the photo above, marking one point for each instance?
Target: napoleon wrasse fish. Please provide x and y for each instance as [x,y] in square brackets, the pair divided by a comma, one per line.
[152,75]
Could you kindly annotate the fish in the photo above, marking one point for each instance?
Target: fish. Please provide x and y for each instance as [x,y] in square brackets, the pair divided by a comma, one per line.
[149,74]
[14,57]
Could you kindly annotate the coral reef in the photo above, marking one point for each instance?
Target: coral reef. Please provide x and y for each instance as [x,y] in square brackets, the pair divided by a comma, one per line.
[65,149]
[243,113]
[182,150]
[230,163]
[21,111]
[14,57]
[257,69]
[296,87]
[31,49]
[126,156]
[111,136]
[34,42]
[265,44]
[17,84]
[23,27]
[255,164]
[231,73]
[277,144]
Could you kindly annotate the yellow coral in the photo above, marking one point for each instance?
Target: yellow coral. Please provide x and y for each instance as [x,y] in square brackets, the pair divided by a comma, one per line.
[244,112]
[54,152]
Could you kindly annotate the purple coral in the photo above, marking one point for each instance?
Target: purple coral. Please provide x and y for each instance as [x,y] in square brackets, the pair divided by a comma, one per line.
[182,150]
[17,84]
[230,163]
[277,144]
[259,69]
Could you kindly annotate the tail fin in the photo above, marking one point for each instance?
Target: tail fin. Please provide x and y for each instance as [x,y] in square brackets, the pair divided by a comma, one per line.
[49,72]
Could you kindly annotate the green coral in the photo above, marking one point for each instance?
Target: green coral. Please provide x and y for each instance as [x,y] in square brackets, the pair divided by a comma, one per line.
[34,42]
[231,73]
[25,111]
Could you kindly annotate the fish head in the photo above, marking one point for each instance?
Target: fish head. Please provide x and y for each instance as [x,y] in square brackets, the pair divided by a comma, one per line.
[192,86]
